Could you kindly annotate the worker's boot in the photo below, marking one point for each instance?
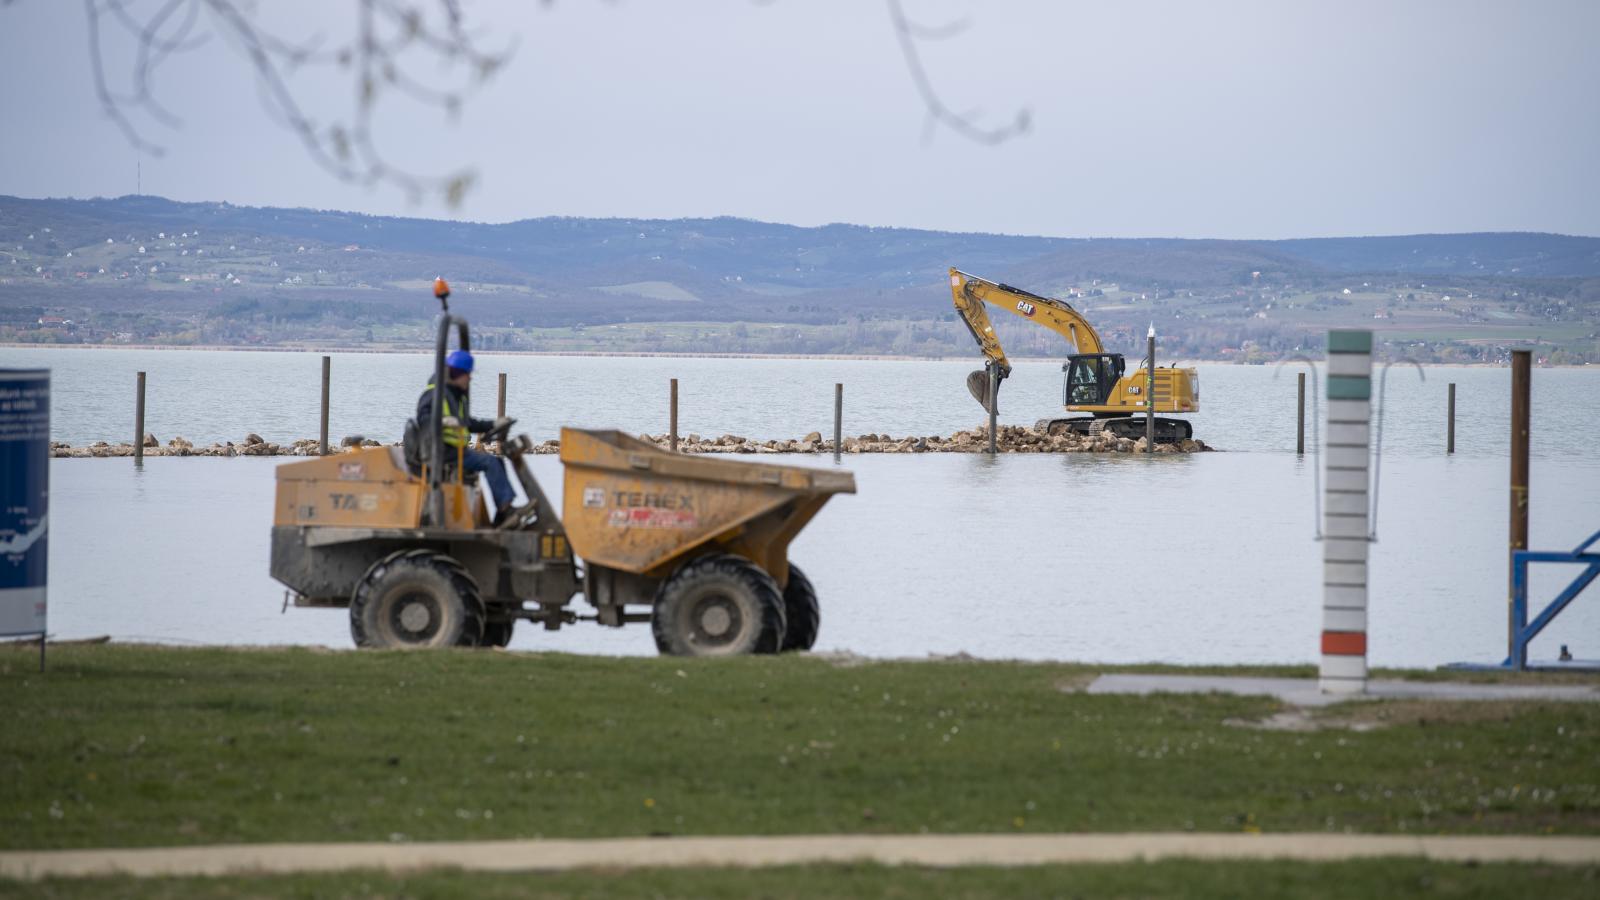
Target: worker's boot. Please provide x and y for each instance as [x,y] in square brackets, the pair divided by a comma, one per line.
[514,517]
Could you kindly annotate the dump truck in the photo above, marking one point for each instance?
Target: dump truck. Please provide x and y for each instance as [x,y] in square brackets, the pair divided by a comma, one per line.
[697,547]
[1094,381]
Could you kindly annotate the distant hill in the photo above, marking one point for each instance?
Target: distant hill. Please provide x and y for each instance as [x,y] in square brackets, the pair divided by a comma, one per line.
[786,257]
[143,268]
[1527,254]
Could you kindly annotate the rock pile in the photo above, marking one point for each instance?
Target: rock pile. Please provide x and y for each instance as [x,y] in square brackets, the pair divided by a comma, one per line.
[1008,439]
[252,445]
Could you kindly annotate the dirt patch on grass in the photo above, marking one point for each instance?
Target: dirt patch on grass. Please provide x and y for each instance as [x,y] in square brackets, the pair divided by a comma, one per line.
[1372,715]
[1076,682]
[1493,676]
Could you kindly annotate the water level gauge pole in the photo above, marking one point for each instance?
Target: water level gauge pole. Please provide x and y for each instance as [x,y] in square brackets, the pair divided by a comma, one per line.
[1345,514]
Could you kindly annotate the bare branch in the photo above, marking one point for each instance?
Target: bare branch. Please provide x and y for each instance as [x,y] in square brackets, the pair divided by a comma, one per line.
[345,147]
[388,37]
[909,33]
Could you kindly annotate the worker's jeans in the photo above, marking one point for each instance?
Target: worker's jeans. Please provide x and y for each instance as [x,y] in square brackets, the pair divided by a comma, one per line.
[494,469]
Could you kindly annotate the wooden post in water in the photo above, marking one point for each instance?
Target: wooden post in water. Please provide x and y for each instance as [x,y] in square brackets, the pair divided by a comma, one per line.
[1521,376]
[1300,418]
[500,402]
[838,420]
[994,412]
[1450,422]
[138,423]
[327,374]
[1150,394]
[672,419]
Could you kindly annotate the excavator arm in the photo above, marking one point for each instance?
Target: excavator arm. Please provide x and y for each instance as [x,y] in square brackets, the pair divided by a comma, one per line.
[970,293]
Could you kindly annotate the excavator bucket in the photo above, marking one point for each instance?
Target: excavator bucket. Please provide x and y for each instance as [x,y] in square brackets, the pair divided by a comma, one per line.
[978,384]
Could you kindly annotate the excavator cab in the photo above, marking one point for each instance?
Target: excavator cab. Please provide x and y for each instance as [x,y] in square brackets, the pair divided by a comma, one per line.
[1090,378]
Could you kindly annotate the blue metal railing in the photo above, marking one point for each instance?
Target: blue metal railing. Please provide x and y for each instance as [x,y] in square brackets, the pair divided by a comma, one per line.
[1522,631]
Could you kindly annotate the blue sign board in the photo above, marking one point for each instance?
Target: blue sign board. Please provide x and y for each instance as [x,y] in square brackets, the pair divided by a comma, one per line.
[24,498]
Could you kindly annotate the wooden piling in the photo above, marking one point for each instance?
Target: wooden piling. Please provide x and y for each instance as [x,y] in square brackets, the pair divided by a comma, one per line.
[327,375]
[1450,422]
[1521,377]
[138,423]
[838,420]
[994,412]
[1300,418]
[672,419]
[500,402]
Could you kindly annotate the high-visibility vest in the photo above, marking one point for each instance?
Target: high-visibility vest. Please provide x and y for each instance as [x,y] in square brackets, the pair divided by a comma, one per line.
[454,435]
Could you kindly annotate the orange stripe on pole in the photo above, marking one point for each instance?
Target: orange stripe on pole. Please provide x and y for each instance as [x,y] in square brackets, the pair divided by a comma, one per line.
[1344,643]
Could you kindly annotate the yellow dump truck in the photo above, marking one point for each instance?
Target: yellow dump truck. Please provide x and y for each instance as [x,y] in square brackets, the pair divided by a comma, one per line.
[698,547]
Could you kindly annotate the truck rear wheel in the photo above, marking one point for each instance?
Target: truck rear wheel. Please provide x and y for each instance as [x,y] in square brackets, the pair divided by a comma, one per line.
[802,615]
[497,634]
[416,599]
[721,605]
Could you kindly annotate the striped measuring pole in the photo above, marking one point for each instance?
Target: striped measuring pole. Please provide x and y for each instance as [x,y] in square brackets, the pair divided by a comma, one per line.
[1344,513]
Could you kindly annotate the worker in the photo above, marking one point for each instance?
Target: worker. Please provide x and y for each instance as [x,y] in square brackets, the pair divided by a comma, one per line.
[456,421]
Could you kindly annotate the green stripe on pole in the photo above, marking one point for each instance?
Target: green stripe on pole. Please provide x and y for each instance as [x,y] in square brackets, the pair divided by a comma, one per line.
[1349,387]
[1349,342]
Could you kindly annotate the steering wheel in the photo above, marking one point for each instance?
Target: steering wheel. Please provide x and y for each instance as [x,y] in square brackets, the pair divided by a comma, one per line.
[500,432]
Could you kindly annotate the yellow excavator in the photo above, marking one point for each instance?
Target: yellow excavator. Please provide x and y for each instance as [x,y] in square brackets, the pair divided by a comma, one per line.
[1095,381]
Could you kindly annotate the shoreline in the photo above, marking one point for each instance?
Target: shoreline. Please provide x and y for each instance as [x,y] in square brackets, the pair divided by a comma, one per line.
[638,354]
[1008,439]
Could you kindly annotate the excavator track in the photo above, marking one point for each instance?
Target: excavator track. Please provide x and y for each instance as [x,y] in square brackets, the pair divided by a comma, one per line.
[1168,431]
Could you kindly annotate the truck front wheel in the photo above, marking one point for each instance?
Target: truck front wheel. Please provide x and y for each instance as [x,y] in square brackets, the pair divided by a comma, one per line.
[722,605]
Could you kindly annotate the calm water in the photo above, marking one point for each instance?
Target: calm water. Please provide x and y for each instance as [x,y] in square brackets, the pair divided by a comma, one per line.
[1206,558]
[210,396]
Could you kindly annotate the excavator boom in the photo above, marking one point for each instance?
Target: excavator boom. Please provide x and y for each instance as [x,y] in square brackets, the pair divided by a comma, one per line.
[970,293]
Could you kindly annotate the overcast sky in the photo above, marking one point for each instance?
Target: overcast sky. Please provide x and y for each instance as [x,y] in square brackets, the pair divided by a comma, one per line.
[1224,119]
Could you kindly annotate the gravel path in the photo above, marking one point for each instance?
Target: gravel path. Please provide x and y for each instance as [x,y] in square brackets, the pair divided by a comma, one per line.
[919,850]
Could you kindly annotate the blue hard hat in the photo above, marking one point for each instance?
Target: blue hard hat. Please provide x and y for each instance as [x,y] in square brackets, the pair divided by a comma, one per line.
[460,360]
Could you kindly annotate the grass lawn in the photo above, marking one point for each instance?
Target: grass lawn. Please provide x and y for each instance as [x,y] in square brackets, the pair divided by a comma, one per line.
[1353,880]
[141,746]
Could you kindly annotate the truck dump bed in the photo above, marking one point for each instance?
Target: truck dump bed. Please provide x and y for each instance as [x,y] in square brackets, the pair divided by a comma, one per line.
[634,507]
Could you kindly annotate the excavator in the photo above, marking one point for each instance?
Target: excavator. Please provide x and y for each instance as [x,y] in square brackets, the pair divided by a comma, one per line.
[1096,382]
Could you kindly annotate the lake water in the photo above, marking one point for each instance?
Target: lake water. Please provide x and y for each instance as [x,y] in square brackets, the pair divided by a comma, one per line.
[208,396]
[1196,559]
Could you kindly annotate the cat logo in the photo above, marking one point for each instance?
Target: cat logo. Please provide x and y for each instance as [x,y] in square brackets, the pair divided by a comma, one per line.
[1025,308]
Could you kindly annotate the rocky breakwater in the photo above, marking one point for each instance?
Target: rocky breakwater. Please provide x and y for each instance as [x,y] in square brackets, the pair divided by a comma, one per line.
[1008,439]
[252,445]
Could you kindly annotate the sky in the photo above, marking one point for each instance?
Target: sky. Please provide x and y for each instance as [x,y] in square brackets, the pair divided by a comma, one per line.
[1218,119]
